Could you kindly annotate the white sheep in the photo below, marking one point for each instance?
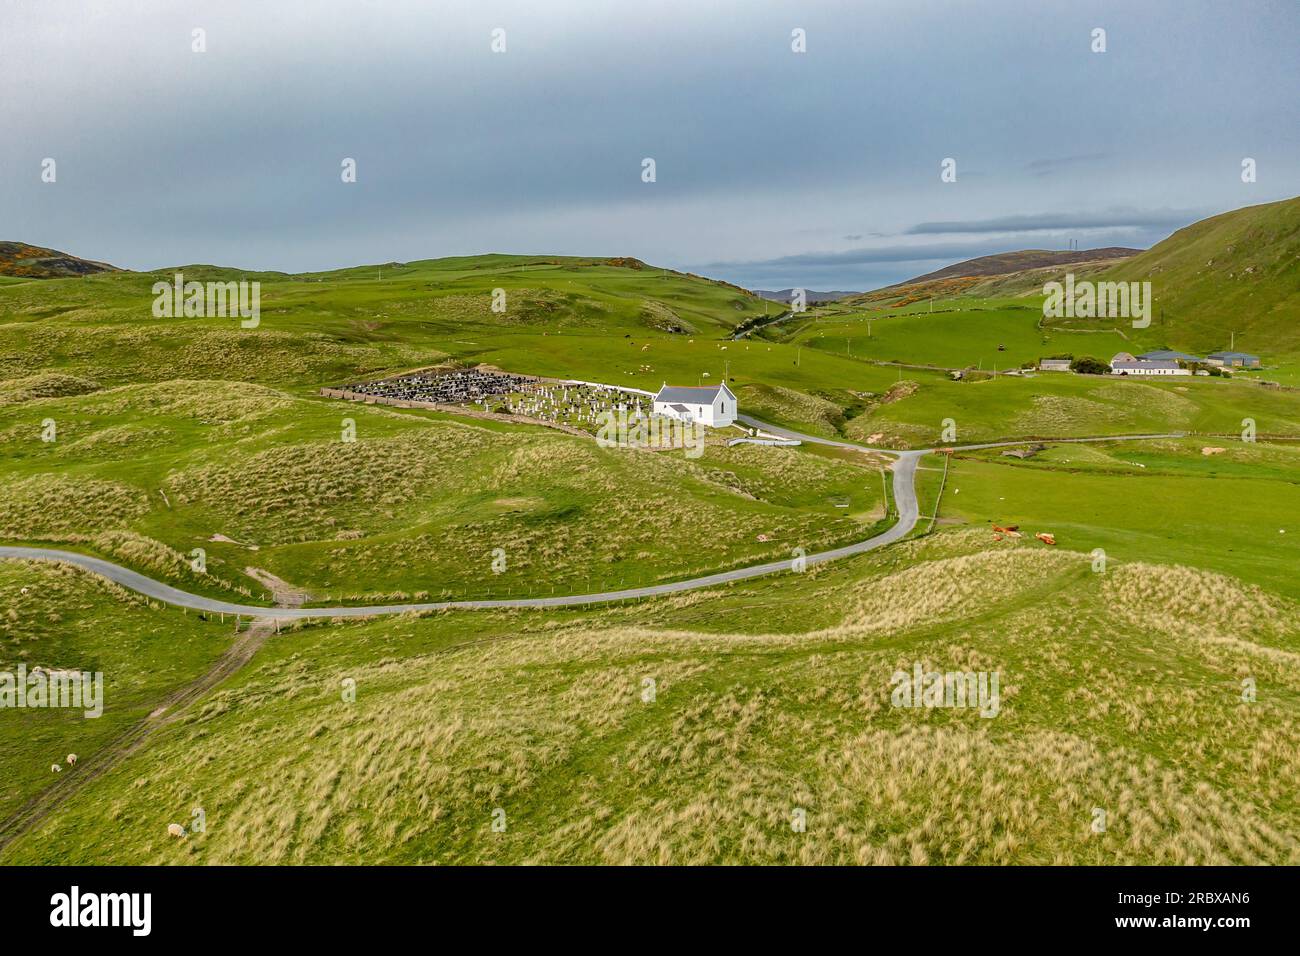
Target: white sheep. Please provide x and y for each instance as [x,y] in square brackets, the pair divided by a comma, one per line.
[55,768]
[72,759]
[176,830]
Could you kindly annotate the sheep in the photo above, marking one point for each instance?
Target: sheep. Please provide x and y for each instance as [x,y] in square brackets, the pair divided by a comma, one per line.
[72,759]
[176,830]
[55,768]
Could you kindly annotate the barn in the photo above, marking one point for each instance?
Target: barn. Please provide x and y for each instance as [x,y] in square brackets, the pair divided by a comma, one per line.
[712,405]
[1233,359]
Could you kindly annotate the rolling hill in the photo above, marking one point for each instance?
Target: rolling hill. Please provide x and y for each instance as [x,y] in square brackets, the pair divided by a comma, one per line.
[18,259]
[998,276]
[1025,259]
[179,437]
[1236,272]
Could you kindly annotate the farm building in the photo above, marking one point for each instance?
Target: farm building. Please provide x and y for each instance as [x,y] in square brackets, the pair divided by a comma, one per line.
[1168,355]
[1233,359]
[1139,367]
[713,405]
[1053,365]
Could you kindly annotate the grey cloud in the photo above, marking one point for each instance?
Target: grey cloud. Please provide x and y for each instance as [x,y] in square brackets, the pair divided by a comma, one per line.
[873,256]
[1064,222]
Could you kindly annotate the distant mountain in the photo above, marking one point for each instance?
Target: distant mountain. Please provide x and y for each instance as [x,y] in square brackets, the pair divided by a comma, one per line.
[1008,262]
[1022,272]
[786,295]
[35,262]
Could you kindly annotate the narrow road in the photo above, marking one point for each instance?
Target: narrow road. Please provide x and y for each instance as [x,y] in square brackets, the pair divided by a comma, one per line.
[904,484]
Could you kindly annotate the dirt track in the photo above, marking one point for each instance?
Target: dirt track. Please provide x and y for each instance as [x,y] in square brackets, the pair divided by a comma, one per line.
[27,817]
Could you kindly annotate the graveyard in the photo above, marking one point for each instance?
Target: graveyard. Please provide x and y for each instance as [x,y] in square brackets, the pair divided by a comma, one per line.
[584,406]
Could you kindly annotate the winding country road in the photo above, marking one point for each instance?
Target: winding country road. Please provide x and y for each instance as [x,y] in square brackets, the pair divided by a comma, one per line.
[40,806]
[904,469]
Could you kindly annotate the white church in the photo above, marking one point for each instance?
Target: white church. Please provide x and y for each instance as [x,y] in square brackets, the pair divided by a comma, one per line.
[712,405]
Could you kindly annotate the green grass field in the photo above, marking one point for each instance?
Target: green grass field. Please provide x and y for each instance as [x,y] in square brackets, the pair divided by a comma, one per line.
[696,730]
[1165,502]
[1122,690]
[417,505]
[991,335]
[59,618]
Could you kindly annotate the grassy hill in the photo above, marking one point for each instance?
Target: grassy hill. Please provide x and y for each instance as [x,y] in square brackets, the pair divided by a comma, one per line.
[1004,274]
[1021,261]
[58,617]
[697,730]
[1237,272]
[415,506]
[325,328]
[1121,690]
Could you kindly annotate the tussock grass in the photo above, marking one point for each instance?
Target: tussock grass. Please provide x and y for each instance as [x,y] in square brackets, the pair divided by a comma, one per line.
[42,385]
[57,507]
[415,506]
[59,617]
[456,717]
[780,404]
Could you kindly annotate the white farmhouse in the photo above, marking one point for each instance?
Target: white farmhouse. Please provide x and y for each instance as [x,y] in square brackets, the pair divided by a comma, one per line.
[712,405]
[1141,367]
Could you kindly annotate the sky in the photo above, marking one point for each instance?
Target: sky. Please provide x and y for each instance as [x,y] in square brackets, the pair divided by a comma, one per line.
[772,168]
